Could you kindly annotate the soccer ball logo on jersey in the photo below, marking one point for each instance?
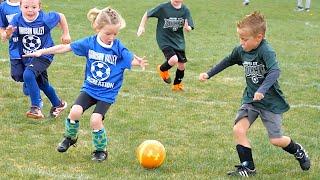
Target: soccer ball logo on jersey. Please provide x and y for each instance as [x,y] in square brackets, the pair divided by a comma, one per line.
[100,70]
[31,42]
[254,71]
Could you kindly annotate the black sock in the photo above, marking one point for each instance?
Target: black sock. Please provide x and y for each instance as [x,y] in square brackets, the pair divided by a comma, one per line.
[165,66]
[179,77]
[245,155]
[292,147]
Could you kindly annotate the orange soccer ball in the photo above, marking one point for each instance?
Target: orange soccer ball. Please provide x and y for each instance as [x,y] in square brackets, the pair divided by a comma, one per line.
[151,154]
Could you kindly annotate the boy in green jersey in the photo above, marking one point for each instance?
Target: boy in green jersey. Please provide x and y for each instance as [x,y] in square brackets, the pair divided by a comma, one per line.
[262,95]
[173,17]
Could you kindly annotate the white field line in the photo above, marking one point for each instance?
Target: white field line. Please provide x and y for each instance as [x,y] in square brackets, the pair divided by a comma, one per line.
[48,174]
[211,102]
[193,101]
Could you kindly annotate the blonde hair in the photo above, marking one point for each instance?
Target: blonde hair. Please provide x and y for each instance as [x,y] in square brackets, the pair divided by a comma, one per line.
[107,16]
[254,22]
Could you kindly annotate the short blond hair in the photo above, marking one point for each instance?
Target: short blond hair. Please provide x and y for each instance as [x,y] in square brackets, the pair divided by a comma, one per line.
[254,22]
[107,16]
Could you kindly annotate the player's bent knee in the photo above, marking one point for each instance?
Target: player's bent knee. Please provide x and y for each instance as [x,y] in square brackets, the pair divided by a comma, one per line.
[173,60]
[238,131]
[76,112]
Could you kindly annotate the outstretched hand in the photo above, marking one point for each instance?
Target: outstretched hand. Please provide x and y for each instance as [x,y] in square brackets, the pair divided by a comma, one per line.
[142,62]
[140,31]
[33,54]
[203,77]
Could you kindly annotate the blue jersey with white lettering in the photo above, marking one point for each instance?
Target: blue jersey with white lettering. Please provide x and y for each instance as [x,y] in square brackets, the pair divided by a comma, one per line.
[105,66]
[7,11]
[31,36]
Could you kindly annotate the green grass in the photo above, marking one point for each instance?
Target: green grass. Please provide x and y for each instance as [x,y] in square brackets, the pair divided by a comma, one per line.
[194,126]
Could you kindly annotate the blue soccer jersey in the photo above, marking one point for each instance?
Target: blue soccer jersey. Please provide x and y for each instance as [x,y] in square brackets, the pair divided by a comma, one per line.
[104,68]
[7,11]
[31,36]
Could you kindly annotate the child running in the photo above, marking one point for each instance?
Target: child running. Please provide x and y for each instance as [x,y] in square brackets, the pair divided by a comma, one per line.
[172,17]
[107,58]
[8,10]
[31,32]
[262,96]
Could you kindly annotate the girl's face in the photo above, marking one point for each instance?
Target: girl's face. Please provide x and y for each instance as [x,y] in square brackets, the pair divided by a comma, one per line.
[30,9]
[247,40]
[177,3]
[108,33]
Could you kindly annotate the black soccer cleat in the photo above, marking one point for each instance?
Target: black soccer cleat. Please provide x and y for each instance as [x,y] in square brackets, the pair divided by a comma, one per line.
[99,156]
[242,170]
[66,143]
[303,158]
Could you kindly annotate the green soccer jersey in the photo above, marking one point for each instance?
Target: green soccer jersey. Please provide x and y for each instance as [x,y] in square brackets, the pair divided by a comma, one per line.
[257,64]
[170,25]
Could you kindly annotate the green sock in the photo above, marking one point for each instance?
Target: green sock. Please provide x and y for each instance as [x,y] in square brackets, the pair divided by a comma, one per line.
[100,140]
[71,129]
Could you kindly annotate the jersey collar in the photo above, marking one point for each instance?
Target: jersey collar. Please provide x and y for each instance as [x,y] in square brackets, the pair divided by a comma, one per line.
[103,44]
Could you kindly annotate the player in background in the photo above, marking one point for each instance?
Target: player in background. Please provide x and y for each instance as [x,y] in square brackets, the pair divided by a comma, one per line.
[300,8]
[246,2]
[31,32]
[106,61]
[8,10]
[262,96]
[173,17]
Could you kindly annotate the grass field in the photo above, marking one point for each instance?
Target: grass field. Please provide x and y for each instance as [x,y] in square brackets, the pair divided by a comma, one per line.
[195,126]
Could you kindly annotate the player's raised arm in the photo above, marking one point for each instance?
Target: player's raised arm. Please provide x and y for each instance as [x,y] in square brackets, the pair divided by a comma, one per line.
[65,37]
[142,25]
[58,49]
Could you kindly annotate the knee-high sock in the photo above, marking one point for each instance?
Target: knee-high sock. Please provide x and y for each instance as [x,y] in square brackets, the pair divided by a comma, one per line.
[71,129]
[179,76]
[100,140]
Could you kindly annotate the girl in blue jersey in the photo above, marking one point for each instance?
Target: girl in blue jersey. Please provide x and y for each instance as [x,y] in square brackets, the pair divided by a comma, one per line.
[107,58]
[31,32]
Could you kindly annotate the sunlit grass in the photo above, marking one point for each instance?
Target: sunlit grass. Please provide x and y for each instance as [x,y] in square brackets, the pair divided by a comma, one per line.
[194,126]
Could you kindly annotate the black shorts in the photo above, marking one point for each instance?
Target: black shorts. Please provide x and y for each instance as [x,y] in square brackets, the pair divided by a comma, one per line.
[86,101]
[39,67]
[169,52]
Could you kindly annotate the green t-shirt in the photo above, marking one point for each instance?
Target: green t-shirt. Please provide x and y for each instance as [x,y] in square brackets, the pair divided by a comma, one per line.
[257,63]
[170,25]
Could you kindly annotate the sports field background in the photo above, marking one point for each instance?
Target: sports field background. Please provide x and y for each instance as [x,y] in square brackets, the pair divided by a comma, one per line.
[195,126]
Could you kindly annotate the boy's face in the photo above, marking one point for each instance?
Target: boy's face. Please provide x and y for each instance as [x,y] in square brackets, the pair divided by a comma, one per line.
[247,40]
[176,3]
[30,9]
